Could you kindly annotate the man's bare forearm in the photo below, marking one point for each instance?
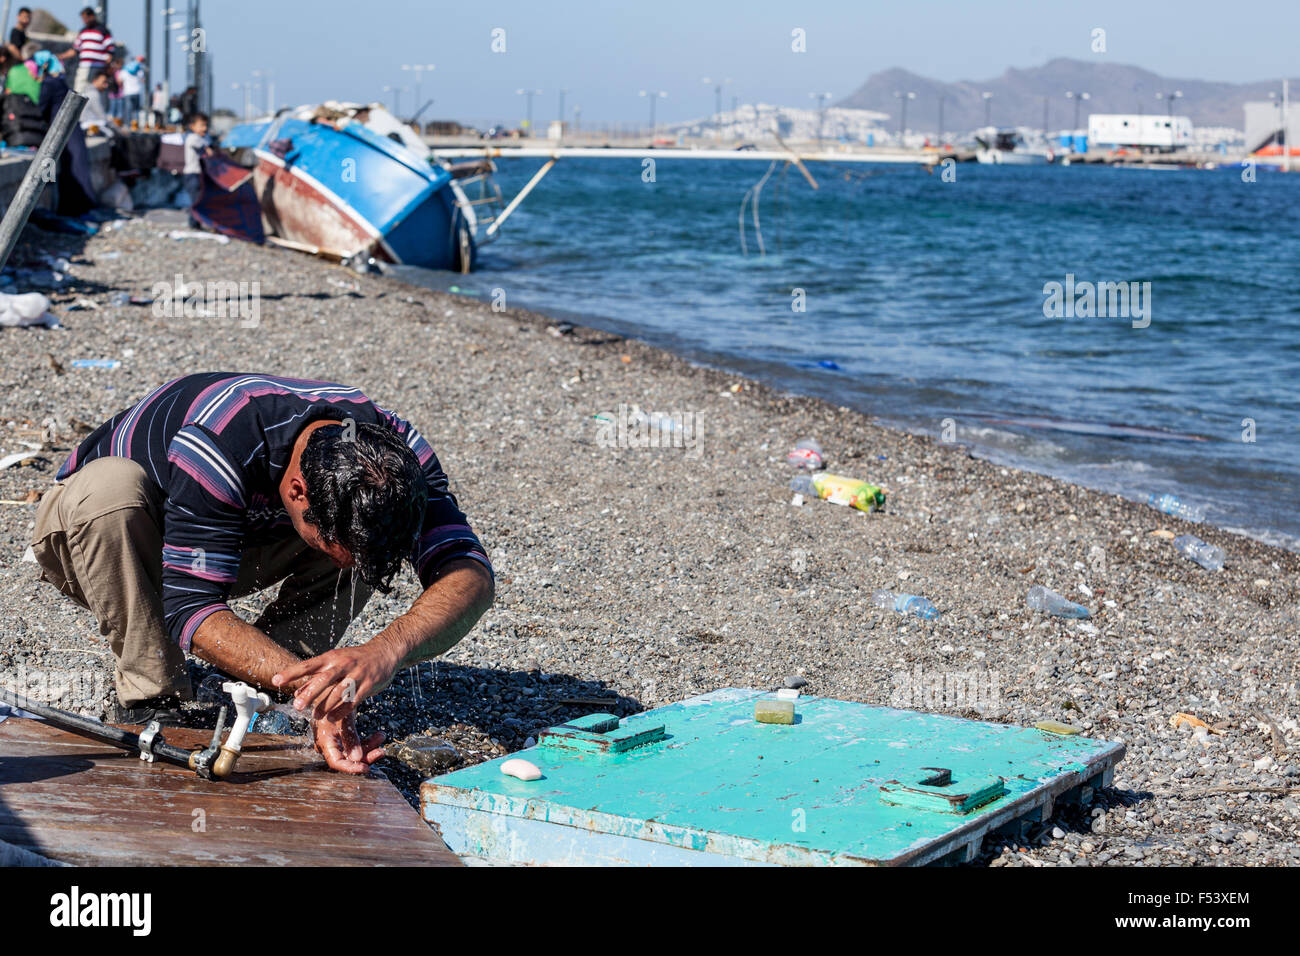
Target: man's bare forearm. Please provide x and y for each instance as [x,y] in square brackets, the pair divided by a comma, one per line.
[241,650]
[440,616]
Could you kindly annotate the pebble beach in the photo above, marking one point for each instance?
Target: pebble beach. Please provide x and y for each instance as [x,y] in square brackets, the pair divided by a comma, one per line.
[629,577]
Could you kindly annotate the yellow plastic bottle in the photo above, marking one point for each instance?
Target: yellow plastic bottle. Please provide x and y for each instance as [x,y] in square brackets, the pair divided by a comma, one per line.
[841,491]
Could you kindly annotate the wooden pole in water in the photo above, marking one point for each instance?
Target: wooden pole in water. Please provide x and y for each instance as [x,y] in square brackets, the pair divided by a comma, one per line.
[40,172]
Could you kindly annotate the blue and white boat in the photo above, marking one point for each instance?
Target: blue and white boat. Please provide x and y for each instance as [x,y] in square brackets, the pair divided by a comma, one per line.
[351,182]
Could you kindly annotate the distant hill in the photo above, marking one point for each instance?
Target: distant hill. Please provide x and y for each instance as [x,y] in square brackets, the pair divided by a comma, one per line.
[1018,96]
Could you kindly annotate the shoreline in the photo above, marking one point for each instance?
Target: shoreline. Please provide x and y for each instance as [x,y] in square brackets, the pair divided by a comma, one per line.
[769,374]
[650,576]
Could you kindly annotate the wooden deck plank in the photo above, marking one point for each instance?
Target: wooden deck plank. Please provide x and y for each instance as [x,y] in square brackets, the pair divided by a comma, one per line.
[82,801]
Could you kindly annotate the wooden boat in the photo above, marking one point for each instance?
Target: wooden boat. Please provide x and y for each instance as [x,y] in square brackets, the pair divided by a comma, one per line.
[351,182]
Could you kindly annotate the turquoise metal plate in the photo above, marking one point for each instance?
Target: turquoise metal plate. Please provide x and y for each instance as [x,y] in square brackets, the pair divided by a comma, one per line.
[701,782]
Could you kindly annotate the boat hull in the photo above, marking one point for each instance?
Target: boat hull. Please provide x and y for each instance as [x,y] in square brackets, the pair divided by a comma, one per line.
[348,193]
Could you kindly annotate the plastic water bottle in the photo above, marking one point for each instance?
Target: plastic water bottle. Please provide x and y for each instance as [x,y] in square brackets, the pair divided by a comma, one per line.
[906,604]
[1048,601]
[1172,505]
[806,454]
[1202,552]
[840,490]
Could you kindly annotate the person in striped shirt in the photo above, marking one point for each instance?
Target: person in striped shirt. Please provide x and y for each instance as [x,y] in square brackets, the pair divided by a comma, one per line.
[219,484]
[93,49]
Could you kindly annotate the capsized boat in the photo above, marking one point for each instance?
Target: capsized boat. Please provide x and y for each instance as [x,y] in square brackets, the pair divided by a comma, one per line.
[350,181]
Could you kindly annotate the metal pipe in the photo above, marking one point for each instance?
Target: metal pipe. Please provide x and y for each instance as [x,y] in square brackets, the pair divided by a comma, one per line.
[93,728]
[46,159]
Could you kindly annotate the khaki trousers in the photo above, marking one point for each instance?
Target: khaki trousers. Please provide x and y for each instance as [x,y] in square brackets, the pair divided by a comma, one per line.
[98,539]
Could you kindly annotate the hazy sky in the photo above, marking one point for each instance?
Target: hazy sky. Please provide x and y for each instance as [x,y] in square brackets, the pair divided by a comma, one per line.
[605,52]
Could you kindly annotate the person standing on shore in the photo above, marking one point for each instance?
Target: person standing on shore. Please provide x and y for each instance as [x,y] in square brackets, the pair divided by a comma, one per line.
[158,106]
[196,147]
[219,484]
[18,35]
[93,49]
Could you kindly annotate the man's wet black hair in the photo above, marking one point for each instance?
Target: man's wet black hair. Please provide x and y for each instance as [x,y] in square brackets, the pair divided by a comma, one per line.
[365,491]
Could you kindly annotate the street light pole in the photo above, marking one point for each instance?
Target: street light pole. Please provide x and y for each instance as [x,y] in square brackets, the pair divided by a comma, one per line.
[528,95]
[821,99]
[902,115]
[653,95]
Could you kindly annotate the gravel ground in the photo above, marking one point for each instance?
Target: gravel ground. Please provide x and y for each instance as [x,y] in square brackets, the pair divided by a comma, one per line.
[645,575]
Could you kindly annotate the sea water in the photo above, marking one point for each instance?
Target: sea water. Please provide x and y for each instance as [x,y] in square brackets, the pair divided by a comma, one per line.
[927,295]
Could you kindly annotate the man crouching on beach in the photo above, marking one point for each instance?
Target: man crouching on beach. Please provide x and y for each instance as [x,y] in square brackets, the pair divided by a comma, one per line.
[216,485]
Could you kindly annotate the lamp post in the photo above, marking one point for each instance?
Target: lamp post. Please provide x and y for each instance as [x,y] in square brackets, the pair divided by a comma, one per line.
[1169,101]
[419,69]
[717,94]
[1078,101]
[988,107]
[528,95]
[821,99]
[653,95]
[902,115]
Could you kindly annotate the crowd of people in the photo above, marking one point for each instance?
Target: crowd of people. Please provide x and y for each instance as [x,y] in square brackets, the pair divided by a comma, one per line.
[113,84]
[36,81]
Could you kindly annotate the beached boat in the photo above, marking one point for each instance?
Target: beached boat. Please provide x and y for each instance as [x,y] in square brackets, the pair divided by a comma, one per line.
[1008,147]
[351,182]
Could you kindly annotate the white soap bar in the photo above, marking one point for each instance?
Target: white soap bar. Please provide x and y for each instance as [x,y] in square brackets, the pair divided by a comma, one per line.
[787,693]
[521,769]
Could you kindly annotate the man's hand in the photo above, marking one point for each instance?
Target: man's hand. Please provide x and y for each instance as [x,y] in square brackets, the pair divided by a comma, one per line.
[337,679]
[341,746]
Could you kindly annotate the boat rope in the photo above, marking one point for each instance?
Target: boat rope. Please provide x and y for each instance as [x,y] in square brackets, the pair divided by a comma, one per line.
[755,191]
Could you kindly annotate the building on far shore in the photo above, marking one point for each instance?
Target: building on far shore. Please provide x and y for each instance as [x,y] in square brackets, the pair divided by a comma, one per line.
[1264,126]
[1137,131]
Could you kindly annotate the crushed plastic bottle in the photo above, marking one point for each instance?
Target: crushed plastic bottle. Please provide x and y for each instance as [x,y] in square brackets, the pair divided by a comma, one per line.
[840,490]
[1048,601]
[806,454]
[1203,553]
[119,299]
[905,604]
[1173,505]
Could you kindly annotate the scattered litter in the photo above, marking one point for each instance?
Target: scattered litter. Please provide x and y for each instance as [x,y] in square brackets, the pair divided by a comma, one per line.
[459,291]
[806,454]
[737,387]
[625,359]
[28,309]
[787,693]
[119,299]
[827,363]
[32,497]
[1172,505]
[195,234]
[521,769]
[774,711]
[84,303]
[1187,720]
[1163,533]
[560,329]
[1056,727]
[1048,601]
[1194,549]
[344,283]
[797,501]
[840,491]
[905,604]
[110,256]
[20,458]
[96,363]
